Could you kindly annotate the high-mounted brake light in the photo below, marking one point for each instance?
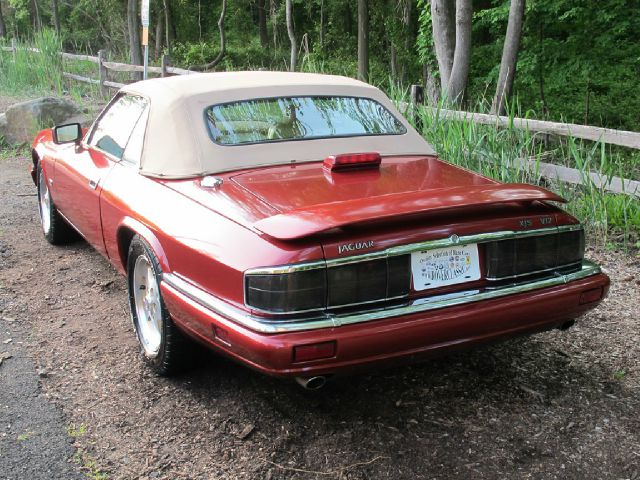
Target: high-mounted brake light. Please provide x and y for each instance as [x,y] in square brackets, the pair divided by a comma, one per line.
[352,161]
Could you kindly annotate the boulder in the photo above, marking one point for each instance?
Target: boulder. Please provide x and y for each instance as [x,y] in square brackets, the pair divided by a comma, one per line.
[3,127]
[24,120]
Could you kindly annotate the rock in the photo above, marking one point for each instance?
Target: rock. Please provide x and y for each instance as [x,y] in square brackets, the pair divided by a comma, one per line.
[24,120]
[246,431]
[3,126]
[4,356]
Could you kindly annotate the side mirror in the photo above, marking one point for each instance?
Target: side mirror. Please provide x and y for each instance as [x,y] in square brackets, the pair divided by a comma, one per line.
[71,133]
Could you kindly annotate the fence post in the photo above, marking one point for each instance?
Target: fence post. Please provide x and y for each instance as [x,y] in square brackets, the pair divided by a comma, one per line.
[164,64]
[102,73]
[14,48]
[417,98]
[417,95]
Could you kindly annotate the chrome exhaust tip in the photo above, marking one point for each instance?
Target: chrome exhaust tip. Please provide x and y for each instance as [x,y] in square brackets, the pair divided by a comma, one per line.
[312,383]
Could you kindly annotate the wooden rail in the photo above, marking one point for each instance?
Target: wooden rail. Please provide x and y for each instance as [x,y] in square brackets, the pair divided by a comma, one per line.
[104,66]
[622,138]
[557,172]
[80,78]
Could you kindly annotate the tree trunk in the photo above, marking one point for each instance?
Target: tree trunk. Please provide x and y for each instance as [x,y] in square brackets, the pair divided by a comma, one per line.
[159,30]
[444,36]
[262,24]
[322,25]
[393,62]
[509,57]
[34,13]
[363,40]
[55,16]
[348,19]
[167,25]
[409,33]
[462,53]
[273,13]
[432,88]
[3,27]
[292,36]
[135,52]
[223,43]
[540,68]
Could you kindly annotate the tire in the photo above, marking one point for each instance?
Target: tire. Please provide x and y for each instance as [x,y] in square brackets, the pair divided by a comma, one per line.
[164,348]
[56,230]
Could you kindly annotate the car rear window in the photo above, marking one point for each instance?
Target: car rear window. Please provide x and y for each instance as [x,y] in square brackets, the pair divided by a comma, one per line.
[299,118]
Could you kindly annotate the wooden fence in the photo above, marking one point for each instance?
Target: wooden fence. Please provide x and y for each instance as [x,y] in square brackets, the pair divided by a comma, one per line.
[103,67]
[564,174]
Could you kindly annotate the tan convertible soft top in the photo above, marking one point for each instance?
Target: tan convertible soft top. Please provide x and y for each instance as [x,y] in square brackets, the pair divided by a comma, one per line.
[177,143]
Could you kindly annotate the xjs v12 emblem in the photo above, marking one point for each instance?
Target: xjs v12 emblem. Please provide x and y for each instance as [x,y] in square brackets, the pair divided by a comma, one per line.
[526,223]
[352,247]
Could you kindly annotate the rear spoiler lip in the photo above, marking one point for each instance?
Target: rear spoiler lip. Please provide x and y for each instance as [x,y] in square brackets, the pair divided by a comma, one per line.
[303,222]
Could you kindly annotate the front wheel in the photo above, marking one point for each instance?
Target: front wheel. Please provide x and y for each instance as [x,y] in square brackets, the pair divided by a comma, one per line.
[56,230]
[164,348]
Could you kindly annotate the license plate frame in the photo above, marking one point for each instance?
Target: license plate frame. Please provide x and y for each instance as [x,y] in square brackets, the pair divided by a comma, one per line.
[442,267]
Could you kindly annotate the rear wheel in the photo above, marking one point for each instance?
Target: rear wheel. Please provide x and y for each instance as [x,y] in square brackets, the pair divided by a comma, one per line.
[56,230]
[164,347]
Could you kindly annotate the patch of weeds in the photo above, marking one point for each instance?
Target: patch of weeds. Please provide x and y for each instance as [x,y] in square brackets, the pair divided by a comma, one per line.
[25,436]
[619,374]
[89,466]
[75,432]
[611,246]
[10,151]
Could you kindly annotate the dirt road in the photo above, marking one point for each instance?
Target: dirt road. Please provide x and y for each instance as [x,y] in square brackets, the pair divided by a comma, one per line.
[559,405]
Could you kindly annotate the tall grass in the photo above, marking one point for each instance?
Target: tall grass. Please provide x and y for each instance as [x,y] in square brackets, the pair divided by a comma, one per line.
[513,155]
[31,72]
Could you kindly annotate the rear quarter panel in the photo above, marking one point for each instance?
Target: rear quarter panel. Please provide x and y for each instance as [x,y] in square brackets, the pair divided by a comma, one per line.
[204,247]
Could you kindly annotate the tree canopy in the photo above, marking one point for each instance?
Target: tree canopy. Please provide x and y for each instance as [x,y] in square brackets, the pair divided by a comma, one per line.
[577,60]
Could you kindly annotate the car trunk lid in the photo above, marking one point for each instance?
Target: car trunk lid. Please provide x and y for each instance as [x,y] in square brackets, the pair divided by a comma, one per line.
[311,199]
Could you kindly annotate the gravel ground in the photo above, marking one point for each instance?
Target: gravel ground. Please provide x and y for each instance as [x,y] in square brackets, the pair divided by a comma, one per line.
[557,405]
[34,443]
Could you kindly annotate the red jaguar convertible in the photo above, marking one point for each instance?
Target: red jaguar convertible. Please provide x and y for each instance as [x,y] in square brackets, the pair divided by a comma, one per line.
[298,224]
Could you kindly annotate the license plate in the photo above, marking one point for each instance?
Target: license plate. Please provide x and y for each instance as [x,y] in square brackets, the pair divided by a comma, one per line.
[445,266]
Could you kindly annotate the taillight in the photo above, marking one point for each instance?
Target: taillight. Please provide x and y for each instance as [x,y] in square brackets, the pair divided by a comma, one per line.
[398,276]
[352,160]
[333,287]
[357,283]
[530,255]
[287,292]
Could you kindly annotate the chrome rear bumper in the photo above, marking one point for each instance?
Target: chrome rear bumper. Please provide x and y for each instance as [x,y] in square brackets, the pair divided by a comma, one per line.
[331,320]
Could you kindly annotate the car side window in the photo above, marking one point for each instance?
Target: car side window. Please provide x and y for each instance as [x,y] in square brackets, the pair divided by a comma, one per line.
[115,126]
[133,150]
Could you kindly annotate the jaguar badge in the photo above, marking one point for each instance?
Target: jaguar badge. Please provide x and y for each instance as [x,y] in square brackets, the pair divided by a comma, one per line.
[352,247]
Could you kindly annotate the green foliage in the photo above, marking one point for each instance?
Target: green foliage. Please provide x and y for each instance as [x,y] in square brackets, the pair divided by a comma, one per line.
[579,61]
[513,155]
[25,436]
[424,41]
[620,374]
[33,72]
[76,431]
[89,466]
